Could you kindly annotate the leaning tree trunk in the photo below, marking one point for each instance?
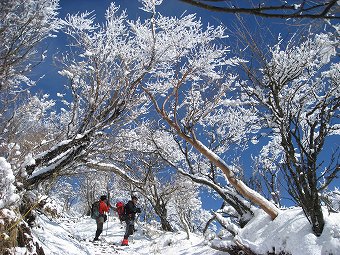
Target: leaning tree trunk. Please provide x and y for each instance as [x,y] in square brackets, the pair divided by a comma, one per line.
[242,188]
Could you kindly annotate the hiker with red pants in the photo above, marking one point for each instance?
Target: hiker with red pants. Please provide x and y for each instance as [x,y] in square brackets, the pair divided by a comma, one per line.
[130,214]
[104,206]
[120,211]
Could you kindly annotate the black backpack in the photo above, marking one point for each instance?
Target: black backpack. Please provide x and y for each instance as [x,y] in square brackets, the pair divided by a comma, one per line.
[95,210]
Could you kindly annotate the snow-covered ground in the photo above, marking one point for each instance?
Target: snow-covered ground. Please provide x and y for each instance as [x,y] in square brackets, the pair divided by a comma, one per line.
[73,236]
[289,232]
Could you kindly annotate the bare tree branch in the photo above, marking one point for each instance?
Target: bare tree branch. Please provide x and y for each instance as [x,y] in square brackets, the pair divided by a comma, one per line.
[314,10]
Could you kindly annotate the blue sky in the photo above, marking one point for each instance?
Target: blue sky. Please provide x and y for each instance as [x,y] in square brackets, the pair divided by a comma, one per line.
[52,82]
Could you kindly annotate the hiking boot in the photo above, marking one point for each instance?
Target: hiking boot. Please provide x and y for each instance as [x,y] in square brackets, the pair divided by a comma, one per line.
[125,242]
[96,237]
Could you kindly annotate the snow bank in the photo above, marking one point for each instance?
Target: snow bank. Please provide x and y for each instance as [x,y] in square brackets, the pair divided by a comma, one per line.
[55,239]
[291,232]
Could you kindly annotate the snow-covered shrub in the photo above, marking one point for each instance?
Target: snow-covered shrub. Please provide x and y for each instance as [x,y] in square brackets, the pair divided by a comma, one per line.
[52,208]
[332,199]
[7,233]
[7,188]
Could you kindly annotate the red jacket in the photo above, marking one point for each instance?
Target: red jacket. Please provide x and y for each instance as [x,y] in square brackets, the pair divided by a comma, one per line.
[103,207]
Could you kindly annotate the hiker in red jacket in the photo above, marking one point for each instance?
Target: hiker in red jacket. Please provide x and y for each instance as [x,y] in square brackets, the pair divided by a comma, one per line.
[104,206]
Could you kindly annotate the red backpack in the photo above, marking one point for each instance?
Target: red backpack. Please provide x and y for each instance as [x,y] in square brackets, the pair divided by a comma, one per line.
[120,210]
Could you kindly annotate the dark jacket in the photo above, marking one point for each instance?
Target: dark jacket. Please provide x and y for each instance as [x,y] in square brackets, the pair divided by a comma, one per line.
[131,210]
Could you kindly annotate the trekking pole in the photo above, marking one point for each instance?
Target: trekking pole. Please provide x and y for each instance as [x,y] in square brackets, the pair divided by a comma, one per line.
[107,224]
[134,229]
[109,204]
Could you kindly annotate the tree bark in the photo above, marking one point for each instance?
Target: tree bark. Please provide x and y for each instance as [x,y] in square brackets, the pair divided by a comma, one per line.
[243,189]
[161,211]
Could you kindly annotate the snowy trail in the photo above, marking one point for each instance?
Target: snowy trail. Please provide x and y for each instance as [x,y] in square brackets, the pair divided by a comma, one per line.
[84,230]
[73,236]
[105,248]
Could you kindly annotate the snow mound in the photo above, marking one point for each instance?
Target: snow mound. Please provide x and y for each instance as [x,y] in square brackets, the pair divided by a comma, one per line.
[291,232]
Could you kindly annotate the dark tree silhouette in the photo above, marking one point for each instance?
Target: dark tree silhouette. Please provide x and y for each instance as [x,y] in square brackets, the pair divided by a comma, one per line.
[300,9]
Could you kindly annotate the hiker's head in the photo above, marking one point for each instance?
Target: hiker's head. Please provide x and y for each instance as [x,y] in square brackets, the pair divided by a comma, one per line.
[103,198]
[134,199]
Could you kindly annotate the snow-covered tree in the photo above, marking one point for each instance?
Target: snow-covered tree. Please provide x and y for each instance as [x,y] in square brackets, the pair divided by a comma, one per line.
[185,207]
[332,200]
[23,27]
[24,24]
[100,87]
[297,91]
[66,191]
[189,89]
[158,187]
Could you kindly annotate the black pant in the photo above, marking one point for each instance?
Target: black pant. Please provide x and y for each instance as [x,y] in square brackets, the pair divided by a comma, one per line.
[100,225]
[130,228]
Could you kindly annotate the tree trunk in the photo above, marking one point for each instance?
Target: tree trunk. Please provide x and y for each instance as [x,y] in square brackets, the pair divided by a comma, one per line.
[318,221]
[243,189]
[229,197]
[185,224]
[165,224]
[313,210]
[162,212]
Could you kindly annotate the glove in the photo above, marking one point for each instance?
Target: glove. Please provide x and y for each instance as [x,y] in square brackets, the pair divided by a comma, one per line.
[138,210]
